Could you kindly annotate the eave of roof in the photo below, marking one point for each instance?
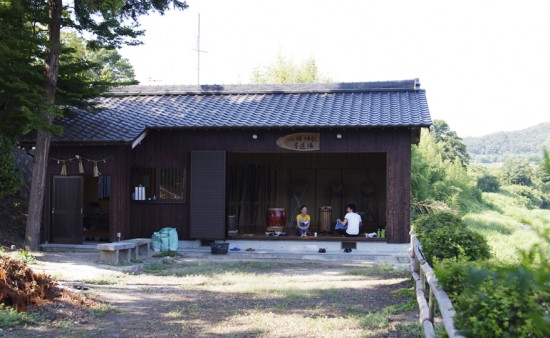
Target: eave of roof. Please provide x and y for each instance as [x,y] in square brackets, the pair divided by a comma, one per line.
[292,88]
[125,113]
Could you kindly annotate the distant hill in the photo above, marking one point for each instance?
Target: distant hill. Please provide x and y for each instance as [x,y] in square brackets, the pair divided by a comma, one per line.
[496,148]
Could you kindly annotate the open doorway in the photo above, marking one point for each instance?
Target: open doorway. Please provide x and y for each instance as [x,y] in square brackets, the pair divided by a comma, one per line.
[324,182]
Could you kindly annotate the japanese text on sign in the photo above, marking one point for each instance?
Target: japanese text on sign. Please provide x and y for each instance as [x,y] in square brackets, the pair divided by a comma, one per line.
[300,142]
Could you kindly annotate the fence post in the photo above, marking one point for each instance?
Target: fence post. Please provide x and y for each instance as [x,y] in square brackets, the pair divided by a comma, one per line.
[431,308]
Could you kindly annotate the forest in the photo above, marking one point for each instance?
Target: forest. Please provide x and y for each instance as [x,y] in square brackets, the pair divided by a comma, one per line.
[496,148]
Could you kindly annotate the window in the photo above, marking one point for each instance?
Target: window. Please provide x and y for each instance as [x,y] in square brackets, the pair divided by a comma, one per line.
[159,184]
[103,187]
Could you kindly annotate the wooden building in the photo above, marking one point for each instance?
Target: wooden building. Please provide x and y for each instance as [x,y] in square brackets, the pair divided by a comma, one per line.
[197,157]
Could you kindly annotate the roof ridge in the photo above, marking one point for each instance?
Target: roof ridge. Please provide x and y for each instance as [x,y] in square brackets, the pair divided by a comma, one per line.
[294,88]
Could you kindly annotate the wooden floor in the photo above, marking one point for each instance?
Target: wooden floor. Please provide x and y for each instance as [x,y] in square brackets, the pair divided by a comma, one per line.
[324,237]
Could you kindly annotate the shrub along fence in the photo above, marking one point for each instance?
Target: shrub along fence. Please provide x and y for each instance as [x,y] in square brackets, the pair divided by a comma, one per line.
[422,273]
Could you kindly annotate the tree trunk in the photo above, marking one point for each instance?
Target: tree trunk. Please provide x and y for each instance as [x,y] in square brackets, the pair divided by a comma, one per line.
[43,138]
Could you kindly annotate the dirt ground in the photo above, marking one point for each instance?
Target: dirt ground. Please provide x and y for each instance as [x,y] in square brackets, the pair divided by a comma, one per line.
[137,303]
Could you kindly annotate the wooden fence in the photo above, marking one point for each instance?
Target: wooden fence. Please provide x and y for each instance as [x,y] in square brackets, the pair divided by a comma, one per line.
[422,273]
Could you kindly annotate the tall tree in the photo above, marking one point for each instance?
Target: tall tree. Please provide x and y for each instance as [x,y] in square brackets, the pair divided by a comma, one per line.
[546,162]
[103,66]
[285,71]
[517,171]
[21,75]
[454,148]
[437,178]
[10,176]
[111,23]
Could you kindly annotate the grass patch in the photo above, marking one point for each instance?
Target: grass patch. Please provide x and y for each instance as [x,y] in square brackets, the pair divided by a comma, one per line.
[509,226]
[413,330]
[102,310]
[23,256]
[156,268]
[189,310]
[102,281]
[167,254]
[375,270]
[409,305]
[218,268]
[9,318]
[374,320]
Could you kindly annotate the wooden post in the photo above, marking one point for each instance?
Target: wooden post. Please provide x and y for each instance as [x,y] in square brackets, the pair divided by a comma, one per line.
[431,305]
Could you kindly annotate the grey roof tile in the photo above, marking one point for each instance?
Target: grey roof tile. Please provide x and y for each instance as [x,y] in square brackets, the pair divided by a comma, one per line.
[125,112]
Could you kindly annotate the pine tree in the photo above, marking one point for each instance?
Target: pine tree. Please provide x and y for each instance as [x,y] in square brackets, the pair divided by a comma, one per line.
[38,87]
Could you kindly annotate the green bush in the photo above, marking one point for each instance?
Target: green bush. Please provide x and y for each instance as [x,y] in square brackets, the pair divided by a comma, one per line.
[531,198]
[499,299]
[10,176]
[488,183]
[10,318]
[509,301]
[452,276]
[445,236]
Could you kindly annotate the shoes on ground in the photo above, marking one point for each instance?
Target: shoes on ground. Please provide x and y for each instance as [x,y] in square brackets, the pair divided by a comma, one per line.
[250,249]
[322,250]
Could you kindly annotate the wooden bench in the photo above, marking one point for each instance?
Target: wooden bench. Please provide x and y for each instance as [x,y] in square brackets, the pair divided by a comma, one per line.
[115,252]
[142,246]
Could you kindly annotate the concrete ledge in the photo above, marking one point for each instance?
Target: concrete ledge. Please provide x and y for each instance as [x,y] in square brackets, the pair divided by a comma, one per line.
[142,246]
[396,259]
[115,252]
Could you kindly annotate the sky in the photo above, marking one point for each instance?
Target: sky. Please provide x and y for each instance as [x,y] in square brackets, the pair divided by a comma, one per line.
[485,65]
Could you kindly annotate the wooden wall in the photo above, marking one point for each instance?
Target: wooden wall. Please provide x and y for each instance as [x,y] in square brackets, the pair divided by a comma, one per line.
[115,165]
[361,154]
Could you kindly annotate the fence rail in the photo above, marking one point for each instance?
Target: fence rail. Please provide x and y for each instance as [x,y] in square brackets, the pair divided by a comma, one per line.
[422,272]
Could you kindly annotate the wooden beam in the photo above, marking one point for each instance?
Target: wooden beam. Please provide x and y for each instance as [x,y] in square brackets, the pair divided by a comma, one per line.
[139,139]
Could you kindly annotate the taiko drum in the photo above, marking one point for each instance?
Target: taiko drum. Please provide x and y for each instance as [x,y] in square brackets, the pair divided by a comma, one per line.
[275,219]
[325,218]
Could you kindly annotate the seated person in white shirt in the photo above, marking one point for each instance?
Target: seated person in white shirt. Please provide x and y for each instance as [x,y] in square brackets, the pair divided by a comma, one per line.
[352,220]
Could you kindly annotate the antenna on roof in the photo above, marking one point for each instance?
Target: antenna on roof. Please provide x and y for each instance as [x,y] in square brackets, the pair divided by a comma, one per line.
[199,51]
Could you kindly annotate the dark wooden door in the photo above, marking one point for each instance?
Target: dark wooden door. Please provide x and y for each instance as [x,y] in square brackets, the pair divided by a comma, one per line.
[67,210]
[207,202]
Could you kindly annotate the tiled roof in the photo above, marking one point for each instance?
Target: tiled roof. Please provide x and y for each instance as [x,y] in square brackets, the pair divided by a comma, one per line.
[126,112]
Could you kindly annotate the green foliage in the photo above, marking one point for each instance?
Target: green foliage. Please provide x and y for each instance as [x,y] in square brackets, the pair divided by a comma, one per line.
[435,178]
[498,299]
[113,23]
[488,183]
[446,236]
[21,76]
[517,171]
[105,67]
[9,318]
[10,176]
[285,71]
[168,253]
[25,257]
[452,276]
[546,162]
[453,147]
[506,300]
[49,79]
[83,73]
[498,147]
[530,198]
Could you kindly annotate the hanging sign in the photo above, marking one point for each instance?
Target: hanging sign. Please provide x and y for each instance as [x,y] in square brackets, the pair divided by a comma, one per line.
[300,142]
